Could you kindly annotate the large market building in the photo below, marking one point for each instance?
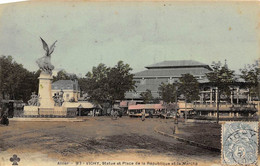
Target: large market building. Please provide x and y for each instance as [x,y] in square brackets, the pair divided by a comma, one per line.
[170,72]
[166,72]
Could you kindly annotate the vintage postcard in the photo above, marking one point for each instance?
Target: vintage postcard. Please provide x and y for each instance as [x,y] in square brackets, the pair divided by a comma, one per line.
[147,83]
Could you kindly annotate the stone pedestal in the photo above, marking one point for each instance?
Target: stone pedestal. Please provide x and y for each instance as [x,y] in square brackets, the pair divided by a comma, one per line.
[31,110]
[46,100]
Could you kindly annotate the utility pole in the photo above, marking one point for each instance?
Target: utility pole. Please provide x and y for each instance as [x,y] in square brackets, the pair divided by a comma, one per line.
[218,100]
[176,110]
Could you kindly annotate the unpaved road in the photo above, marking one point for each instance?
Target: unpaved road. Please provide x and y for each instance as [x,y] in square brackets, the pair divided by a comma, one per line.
[97,139]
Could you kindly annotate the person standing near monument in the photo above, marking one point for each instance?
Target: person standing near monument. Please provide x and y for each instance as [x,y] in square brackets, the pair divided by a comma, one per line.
[112,113]
[115,114]
[4,116]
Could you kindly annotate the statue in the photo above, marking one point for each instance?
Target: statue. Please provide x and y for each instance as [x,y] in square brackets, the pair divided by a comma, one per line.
[34,101]
[58,98]
[61,94]
[44,62]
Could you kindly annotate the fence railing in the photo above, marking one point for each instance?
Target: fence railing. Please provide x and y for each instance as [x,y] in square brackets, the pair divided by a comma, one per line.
[224,105]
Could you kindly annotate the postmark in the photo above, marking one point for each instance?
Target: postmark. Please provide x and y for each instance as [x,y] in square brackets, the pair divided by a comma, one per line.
[239,143]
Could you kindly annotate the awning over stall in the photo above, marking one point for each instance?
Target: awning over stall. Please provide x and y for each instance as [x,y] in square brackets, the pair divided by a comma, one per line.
[146,106]
[78,104]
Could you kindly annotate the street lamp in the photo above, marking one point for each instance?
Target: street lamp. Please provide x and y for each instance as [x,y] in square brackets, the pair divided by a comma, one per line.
[176,110]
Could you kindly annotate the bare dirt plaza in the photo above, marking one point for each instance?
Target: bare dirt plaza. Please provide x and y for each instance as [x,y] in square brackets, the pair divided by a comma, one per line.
[103,139]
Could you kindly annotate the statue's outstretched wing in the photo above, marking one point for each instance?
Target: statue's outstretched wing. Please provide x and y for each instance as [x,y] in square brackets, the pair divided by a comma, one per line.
[52,48]
[45,46]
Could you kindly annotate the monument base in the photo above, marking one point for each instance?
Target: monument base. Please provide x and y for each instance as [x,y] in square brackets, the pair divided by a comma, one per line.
[45,101]
[59,111]
[45,96]
[31,110]
[38,111]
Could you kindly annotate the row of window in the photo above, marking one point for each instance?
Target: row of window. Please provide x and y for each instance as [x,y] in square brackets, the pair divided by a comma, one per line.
[64,87]
[159,80]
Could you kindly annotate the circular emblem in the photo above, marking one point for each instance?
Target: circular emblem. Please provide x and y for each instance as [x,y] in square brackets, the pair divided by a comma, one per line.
[240,148]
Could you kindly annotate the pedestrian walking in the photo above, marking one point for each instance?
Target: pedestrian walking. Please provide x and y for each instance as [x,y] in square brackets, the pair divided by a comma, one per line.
[115,115]
[143,115]
[112,113]
[150,115]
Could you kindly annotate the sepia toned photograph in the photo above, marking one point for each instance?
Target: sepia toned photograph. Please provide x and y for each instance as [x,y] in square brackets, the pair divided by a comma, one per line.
[126,83]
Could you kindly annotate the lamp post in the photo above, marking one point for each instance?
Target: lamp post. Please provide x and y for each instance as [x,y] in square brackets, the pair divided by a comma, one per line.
[80,107]
[176,110]
[218,100]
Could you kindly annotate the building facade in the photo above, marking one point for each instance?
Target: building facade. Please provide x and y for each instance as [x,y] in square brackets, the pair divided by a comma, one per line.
[166,72]
[71,91]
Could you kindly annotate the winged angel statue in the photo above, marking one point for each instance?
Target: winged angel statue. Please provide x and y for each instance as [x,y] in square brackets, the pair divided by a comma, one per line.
[44,62]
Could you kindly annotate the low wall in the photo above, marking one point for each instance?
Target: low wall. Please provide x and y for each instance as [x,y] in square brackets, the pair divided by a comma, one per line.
[31,110]
[35,111]
[59,111]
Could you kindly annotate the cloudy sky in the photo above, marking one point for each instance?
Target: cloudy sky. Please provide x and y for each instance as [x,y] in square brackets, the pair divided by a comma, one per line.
[139,33]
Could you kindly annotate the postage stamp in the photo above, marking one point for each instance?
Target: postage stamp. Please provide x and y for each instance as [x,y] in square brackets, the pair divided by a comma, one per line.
[239,143]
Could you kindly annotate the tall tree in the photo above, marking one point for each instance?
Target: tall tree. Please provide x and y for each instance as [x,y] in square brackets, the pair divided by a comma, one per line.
[189,87]
[147,96]
[63,75]
[27,85]
[120,80]
[106,85]
[251,74]
[16,81]
[83,84]
[167,92]
[95,84]
[5,74]
[222,78]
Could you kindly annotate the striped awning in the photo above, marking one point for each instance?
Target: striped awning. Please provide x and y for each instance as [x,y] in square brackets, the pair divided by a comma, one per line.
[145,106]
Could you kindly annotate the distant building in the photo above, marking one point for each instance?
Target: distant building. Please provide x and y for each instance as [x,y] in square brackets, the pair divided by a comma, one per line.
[70,88]
[166,72]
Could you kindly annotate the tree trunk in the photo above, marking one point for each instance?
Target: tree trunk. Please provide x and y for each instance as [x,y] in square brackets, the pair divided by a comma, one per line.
[185,112]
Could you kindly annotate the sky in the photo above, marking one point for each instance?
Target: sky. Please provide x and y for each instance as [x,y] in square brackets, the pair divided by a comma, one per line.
[139,33]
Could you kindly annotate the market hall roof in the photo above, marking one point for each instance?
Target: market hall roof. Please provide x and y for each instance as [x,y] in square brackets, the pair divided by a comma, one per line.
[174,69]
[178,64]
[174,72]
